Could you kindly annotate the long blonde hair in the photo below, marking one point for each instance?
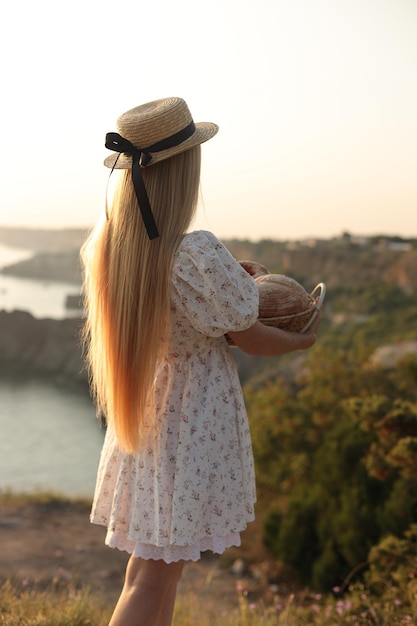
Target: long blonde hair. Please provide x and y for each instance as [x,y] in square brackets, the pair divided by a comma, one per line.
[127,290]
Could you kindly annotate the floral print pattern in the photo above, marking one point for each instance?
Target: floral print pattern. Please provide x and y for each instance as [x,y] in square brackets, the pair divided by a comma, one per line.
[192,487]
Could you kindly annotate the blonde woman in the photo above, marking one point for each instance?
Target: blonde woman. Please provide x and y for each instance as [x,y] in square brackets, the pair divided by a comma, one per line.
[176,471]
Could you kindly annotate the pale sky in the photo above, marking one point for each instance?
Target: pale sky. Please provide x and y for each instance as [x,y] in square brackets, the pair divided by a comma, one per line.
[316,102]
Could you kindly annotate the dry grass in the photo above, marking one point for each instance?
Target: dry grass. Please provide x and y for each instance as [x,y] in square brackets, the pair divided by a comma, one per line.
[67,601]
[71,607]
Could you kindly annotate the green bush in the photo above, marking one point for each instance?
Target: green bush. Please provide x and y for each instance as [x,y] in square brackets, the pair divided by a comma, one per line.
[337,455]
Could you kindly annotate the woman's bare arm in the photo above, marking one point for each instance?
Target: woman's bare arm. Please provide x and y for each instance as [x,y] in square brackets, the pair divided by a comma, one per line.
[261,340]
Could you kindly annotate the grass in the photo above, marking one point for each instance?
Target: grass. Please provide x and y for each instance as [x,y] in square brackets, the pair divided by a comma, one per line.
[44,498]
[64,603]
[51,607]
[67,606]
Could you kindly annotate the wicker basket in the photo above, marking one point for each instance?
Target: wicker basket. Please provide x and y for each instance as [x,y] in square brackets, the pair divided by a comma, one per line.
[295,322]
[299,322]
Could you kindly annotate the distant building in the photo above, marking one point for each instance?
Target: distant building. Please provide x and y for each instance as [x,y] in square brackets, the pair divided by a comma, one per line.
[399,246]
[359,240]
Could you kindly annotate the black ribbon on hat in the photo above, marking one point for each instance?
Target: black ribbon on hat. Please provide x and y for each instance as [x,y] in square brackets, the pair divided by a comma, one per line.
[140,158]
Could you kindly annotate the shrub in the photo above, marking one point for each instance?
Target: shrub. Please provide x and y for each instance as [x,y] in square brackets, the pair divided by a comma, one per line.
[339,460]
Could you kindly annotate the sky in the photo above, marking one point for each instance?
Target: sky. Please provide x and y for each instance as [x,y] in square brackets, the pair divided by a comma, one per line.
[316,102]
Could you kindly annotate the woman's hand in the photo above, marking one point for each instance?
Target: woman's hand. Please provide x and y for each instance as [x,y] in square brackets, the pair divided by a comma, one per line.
[262,340]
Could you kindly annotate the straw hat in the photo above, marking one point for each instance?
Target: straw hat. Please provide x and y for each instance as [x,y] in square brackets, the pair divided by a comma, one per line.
[150,133]
[154,123]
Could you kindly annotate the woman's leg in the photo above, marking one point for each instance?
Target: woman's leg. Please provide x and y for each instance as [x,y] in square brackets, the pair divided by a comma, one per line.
[148,594]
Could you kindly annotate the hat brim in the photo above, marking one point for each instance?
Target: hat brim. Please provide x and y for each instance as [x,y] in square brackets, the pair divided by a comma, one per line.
[204,131]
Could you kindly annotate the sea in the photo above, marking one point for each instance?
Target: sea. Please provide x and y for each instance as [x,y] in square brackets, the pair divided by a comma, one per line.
[50,439]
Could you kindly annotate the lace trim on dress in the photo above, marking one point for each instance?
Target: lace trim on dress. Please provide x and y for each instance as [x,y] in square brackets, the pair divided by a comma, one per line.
[171,553]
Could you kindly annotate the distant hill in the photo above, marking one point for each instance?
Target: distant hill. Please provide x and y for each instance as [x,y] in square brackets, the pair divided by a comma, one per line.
[42,239]
[343,264]
[337,262]
[371,299]
[63,266]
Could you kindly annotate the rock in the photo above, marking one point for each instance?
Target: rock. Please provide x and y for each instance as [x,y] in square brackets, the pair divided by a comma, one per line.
[238,568]
[388,356]
[45,347]
[60,266]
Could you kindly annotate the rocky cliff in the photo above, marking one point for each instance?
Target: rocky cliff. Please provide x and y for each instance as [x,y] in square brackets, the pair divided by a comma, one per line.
[52,348]
[43,347]
[55,266]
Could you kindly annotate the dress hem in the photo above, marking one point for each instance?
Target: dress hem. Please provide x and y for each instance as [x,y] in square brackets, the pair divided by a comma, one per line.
[173,553]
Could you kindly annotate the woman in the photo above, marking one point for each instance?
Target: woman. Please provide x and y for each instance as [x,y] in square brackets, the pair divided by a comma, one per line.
[176,470]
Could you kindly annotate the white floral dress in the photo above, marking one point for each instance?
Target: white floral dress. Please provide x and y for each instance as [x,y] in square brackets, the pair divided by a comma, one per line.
[192,488]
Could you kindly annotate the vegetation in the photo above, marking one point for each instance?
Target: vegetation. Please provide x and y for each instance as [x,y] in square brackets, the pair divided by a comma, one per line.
[53,607]
[336,452]
[335,442]
[67,606]
[45,499]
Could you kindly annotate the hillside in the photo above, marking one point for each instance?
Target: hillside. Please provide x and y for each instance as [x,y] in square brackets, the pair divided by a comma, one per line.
[371,302]
[343,264]
[337,262]
[60,266]
[42,239]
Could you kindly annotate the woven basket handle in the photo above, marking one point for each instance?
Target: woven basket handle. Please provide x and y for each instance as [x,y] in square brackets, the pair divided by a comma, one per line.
[318,294]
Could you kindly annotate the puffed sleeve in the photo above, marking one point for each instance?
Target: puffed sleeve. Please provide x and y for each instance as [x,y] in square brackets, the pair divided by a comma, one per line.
[212,289]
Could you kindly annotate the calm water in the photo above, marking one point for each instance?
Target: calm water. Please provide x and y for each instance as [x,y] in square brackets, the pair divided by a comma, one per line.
[49,440]
[41,298]
[49,437]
